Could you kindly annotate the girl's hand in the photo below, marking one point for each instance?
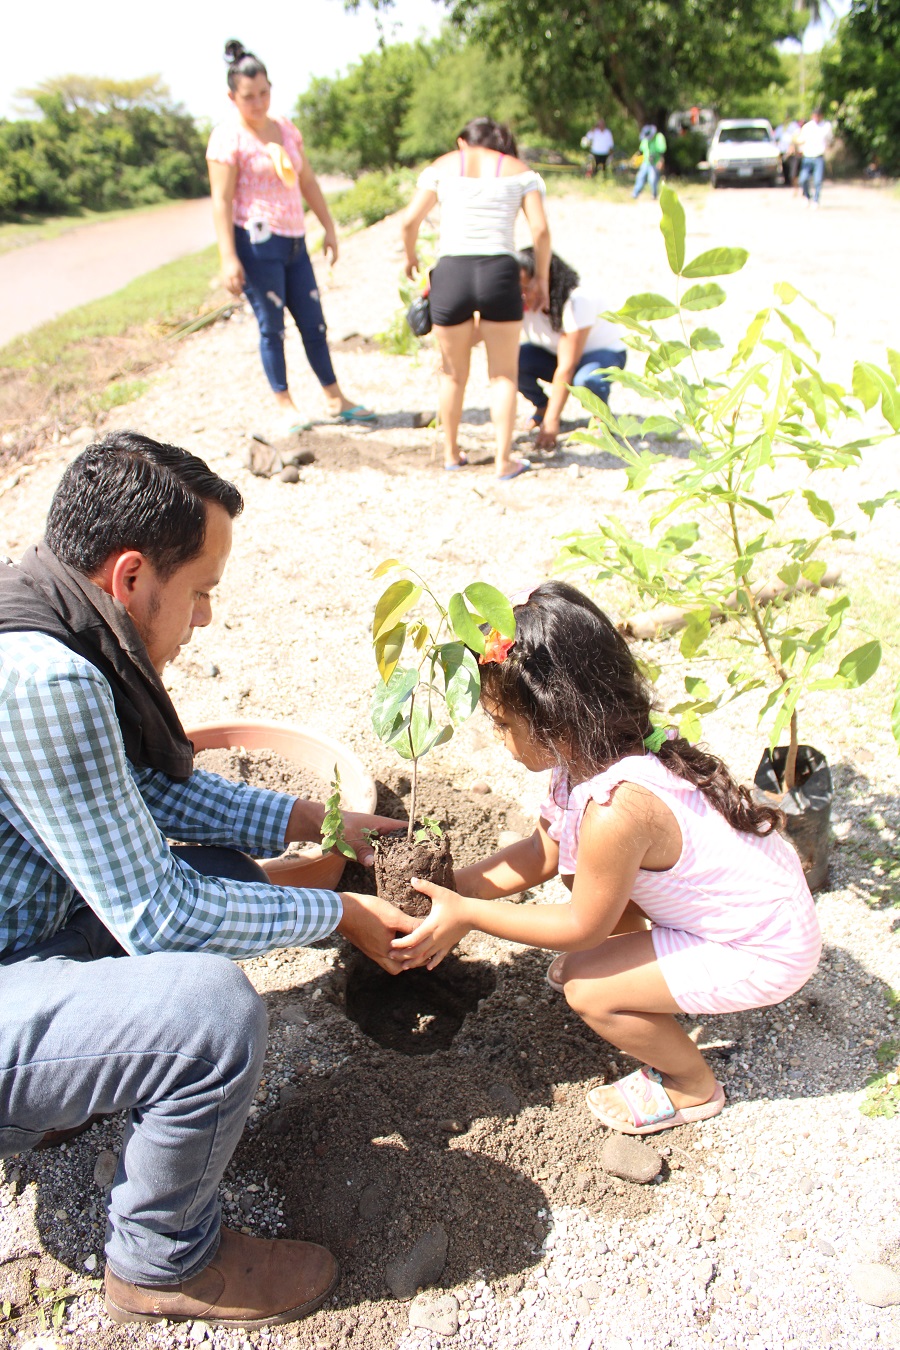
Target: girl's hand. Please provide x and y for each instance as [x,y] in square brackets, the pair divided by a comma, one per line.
[233,276]
[545,440]
[541,295]
[412,266]
[438,933]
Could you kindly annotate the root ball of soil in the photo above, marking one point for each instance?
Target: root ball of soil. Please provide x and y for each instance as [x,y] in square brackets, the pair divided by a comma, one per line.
[397,859]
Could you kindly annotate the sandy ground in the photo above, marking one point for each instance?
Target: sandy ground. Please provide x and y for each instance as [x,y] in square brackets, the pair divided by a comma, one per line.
[754,1231]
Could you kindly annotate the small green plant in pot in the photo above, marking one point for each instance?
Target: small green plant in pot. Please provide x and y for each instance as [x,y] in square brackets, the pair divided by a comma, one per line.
[744,522]
[429,684]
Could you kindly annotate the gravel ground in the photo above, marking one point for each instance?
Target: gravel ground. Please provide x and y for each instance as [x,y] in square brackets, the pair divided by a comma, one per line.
[753,1232]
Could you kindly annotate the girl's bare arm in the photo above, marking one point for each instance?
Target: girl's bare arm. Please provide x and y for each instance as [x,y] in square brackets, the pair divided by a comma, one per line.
[521,865]
[613,842]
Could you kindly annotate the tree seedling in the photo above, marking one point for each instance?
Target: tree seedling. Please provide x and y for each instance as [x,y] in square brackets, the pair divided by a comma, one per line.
[430,681]
[719,537]
[333,837]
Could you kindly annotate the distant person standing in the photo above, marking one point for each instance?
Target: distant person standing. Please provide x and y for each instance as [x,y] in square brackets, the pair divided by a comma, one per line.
[786,134]
[600,143]
[813,140]
[652,149]
[259,177]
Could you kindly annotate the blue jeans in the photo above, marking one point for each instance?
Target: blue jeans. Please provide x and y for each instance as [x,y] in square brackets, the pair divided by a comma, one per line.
[646,173]
[176,1039]
[537,363]
[812,168]
[279,276]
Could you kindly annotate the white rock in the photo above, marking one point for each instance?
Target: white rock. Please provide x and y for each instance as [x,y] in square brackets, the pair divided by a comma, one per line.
[198,1332]
[875,1284]
[91,1263]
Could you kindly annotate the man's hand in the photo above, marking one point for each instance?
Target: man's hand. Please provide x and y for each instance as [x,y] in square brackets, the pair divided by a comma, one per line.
[371,925]
[305,823]
[354,824]
[437,934]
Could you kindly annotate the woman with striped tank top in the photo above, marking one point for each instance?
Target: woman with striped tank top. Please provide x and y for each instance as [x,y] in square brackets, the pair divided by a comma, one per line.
[684,896]
[481,188]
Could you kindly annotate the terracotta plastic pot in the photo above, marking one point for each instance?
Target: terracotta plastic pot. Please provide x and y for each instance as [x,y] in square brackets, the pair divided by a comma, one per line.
[314,751]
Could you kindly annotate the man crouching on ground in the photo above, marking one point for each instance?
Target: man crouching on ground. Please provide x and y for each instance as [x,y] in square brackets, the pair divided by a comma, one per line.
[117,986]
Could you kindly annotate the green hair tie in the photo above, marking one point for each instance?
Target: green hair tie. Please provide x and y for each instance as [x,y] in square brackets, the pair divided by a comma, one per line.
[654,742]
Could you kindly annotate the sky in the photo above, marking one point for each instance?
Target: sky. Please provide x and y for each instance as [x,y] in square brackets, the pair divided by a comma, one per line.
[183,40]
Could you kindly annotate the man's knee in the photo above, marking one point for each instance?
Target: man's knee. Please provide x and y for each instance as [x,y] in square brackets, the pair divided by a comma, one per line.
[214,996]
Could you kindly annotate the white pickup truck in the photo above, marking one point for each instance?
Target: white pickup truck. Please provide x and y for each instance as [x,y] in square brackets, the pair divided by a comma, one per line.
[743,150]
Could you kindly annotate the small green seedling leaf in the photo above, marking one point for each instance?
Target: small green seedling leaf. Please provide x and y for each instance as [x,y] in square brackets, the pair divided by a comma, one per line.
[493,607]
[860,664]
[708,296]
[333,837]
[387,566]
[399,597]
[705,340]
[673,228]
[648,305]
[716,262]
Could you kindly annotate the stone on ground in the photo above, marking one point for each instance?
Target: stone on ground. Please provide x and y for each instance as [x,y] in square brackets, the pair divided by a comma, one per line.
[421,1266]
[624,1156]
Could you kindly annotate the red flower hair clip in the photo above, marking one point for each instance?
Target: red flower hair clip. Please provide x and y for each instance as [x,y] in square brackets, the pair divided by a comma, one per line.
[496,648]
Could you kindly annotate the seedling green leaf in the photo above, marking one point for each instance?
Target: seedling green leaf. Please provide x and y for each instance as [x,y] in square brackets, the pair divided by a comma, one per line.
[493,607]
[709,296]
[399,597]
[716,262]
[673,228]
[860,664]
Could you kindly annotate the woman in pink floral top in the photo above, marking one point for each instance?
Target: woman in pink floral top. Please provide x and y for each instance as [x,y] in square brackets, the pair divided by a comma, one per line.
[259,177]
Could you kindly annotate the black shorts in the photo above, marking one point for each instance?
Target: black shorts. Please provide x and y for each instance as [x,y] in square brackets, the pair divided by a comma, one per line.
[462,285]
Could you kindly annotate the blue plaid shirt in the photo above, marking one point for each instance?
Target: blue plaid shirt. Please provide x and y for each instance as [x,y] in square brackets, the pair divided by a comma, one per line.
[78,822]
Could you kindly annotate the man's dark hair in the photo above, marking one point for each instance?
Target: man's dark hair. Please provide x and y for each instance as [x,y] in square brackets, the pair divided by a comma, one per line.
[131,492]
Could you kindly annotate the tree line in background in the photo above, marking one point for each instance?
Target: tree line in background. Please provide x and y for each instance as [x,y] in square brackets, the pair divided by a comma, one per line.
[99,144]
[547,67]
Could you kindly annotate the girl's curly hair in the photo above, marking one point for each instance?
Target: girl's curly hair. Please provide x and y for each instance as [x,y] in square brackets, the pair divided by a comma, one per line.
[573,679]
[563,280]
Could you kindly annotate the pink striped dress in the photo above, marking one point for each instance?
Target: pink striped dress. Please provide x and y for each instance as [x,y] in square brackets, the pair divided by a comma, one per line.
[733,922]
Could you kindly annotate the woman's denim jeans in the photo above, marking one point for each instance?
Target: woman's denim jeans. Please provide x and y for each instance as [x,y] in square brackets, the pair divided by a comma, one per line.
[176,1039]
[537,363]
[278,277]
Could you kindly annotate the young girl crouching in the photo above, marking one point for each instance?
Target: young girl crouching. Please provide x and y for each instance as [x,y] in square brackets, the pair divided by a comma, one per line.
[685,899]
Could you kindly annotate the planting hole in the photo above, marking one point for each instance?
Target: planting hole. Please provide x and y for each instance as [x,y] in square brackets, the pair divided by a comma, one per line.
[419,1011]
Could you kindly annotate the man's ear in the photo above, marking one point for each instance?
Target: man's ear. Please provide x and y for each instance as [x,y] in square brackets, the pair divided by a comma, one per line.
[123,576]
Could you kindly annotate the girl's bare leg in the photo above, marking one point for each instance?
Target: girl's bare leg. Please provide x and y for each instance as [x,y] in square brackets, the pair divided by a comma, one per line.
[456,352]
[619,990]
[501,341]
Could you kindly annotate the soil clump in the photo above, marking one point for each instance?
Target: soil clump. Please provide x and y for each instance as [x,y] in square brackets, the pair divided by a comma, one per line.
[397,859]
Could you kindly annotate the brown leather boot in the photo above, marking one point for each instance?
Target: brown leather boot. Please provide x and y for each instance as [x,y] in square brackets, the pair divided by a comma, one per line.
[250,1282]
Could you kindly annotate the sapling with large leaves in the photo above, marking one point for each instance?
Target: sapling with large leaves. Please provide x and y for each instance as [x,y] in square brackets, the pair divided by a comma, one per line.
[428,665]
[722,533]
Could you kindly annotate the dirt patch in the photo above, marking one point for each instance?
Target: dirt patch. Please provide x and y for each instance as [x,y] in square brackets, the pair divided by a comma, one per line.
[264,769]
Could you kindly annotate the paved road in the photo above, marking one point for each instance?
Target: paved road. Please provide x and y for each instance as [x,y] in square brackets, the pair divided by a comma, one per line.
[41,280]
